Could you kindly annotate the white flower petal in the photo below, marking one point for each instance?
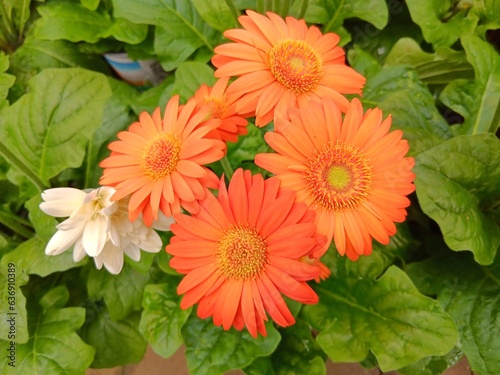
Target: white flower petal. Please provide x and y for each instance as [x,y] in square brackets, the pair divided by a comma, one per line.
[152,243]
[62,241]
[78,251]
[74,222]
[163,223]
[133,252]
[95,235]
[112,257]
[61,202]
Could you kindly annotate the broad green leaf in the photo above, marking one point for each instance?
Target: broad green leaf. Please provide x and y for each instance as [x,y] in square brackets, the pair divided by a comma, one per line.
[44,224]
[175,42]
[34,55]
[297,353]
[122,293]
[14,325]
[30,257]
[398,91]
[373,11]
[90,4]
[48,331]
[488,12]
[363,62]
[49,127]
[387,316]
[179,28]
[439,67]
[261,366]
[71,21]
[189,76]
[211,351]
[128,32]
[55,298]
[478,100]
[117,342]
[117,116]
[433,365]
[162,318]
[442,22]
[471,295]
[220,14]
[457,183]
[6,80]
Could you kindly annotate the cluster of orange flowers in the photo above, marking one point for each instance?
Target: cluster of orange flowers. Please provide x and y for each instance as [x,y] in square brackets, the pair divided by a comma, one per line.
[339,174]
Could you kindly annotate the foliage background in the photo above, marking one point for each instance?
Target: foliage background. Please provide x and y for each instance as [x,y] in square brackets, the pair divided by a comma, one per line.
[417,305]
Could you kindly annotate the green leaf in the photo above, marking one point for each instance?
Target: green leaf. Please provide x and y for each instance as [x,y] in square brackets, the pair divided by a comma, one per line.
[471,296]
[478,100]
[155,97]
[14,325]
[54,329]
[49,127]
[242,153]
[117,342]
[189,76]
[128,32]
[457,183]
[162,318]
[116,117]
[488,12]
[44,224]
[6,80]
[210,350]
[90,4]
[398,91]
[219,14]
[55,298]
[440,67]
[180,30]
[71,21]
[387,316]
[19,13]
[297,353]
[363,62]
[122,293]
[442,22]
[433,365]
[373,11]
[30,257]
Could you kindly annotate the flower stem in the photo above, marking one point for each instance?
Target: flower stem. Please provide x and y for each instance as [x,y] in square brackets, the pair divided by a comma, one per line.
[226,166]
[18,163]
[16,224]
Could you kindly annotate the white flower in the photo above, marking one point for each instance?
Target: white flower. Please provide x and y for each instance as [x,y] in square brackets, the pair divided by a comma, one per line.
[98,227]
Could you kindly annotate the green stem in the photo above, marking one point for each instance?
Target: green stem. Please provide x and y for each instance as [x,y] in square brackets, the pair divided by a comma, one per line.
[16,224]
[228,170]
[15,161]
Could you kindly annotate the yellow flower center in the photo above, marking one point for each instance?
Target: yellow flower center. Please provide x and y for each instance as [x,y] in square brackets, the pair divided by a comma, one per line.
[217,106]
[338,177]
[161,156]
[241,252]
[296,65]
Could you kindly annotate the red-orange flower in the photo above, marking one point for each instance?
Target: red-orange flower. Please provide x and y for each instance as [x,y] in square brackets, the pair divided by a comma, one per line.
[281,63]
[223,107]
[160,162]
[243,250]
[353,173]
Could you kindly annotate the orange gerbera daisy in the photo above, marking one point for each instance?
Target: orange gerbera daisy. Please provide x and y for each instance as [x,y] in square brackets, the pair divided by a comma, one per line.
[353,173]
[160,162]
[243,250]
[281,63]
[223,107]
